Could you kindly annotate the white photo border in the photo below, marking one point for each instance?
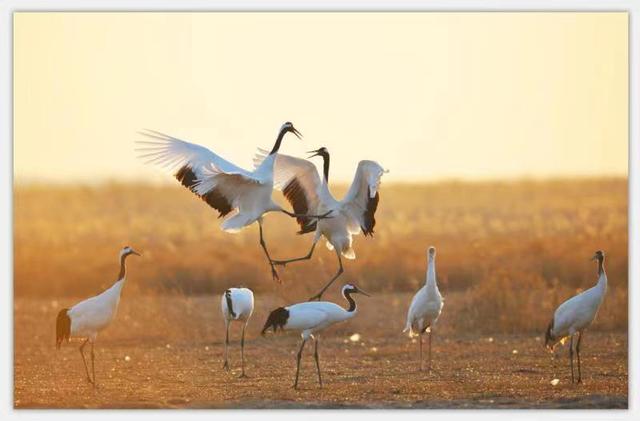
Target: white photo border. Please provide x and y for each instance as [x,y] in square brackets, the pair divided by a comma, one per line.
[8,7]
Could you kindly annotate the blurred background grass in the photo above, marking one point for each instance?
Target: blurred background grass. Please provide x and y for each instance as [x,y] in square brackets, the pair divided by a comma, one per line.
[508,252]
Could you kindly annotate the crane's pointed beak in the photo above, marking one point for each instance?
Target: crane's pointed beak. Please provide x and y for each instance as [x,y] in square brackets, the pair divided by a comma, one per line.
[313,153]
[136,253]
[296,132]
[363,293]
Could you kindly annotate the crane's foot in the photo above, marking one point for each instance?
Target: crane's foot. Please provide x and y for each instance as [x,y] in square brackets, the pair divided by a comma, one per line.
[279,263]
[225,366]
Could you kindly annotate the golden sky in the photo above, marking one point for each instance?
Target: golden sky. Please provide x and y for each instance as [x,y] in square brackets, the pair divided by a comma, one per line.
[428,95]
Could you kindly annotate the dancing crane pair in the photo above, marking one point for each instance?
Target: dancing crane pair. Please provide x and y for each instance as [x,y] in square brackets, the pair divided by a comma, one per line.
[243,197]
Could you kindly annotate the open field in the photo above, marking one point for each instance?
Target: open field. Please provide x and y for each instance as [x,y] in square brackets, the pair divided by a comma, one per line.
[175,347]
[508,254]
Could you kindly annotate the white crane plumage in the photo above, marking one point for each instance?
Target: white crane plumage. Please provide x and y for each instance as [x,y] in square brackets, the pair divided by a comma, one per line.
[311,317]
[426,306]
[237,306]
[576,314]
[242,197]
[87,318]
[308,194]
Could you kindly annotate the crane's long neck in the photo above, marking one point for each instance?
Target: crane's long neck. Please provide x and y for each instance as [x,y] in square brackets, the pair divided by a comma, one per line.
[326,159]
[276,146]
[431,274]
[602,275]
[123,268]
[352,303]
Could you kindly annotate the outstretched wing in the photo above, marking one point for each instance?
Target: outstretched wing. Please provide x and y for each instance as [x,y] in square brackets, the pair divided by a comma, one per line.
[217,181]
[300,183]
[361,201]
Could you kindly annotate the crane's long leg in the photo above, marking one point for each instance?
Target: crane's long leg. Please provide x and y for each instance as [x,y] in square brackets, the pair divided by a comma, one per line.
[578,352]
[299,357]
[304,215]
[274,274]
[242,349]
[420,339]
[430,333]
[297,259]
[315,355]
[225,366]
[86,369]
[337,275]
[93,365]
[571,356]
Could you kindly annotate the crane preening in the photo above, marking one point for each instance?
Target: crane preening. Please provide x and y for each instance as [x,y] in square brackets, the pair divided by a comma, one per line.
[576,314]
[308,194]
[237,306]
[242,196]
[87,318]
[426,306]
[310,318]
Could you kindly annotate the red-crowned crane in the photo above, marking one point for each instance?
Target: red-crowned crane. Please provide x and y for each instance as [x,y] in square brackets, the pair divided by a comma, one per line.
[311,317]
[237,306]
[308,194]
[242,196]
[576,314]
[87,318]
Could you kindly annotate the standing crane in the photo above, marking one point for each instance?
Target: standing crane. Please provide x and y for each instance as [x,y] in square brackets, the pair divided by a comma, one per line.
[236,305]
[426,306]
[87,318]
[576,314]
[312,317]
[243,195]
[308,194]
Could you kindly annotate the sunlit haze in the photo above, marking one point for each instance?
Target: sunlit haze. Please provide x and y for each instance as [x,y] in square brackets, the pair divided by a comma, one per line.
[430,96]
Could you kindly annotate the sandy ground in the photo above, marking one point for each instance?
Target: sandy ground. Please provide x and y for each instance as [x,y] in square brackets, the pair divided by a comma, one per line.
[166,352]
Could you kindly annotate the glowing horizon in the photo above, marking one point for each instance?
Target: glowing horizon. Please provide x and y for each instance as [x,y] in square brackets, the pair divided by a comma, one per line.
[431,96]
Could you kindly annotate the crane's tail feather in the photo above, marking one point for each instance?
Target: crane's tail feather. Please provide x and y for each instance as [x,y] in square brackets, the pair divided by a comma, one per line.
[550,340]
[277,318]
[63,327]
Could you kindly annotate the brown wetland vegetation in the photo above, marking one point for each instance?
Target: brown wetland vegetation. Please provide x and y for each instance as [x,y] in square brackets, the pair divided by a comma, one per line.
[508,254]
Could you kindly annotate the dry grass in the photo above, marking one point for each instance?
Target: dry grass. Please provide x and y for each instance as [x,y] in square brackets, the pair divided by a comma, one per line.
[509,251]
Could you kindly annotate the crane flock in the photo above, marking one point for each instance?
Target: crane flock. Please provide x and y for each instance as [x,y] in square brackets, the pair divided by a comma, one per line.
[243,197]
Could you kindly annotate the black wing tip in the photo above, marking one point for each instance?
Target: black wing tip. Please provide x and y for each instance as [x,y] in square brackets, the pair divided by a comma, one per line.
[63,327]
[369,214]
[277,318]
[295,195]
[188,179]
[549,339]
[227,295]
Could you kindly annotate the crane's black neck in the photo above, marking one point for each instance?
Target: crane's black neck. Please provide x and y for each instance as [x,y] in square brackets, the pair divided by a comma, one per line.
[326,159]
[123,267]
[352,303]
[276,146]
[600,265]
